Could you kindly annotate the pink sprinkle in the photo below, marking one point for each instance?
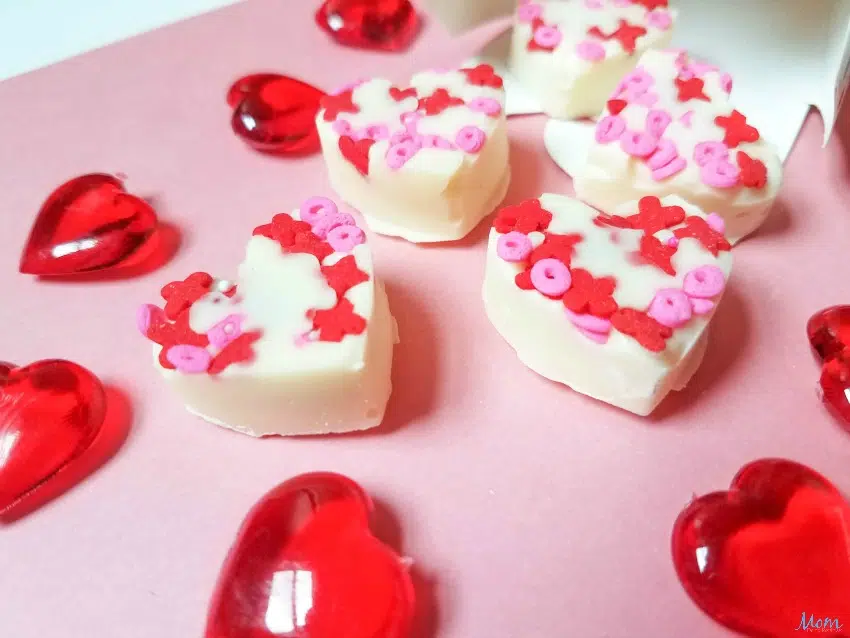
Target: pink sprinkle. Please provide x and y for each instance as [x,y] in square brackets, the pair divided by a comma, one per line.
[312,210]
[486,105]
[303,340]
[598,337]
[623,3]
[647,99]
[701,306]
[343,239]
[726,82]
[716,222]
[513,246]
[637,78]
[638,143]
[686,119]
[410,120]
[551,277]
[670,307]
[673,241]
[706,152]
[470,139]
[189,359]
[327,223]
[720,174]
[657,122]
[341,127]
[686,74]
[547,37]
[146,315]
[589,322]
[610,128]
[594,4]
[435,141]
[528,12]
[399,154]
[377,132]
[225,330]
[590,50]
[676,166]
[663,155]
[659,19]
[699,69]
[401,137]
[704,282]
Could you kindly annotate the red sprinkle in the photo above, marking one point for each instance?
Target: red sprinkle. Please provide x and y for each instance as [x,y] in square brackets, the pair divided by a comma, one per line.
[483,75]
[652,4]
[654,252]
[652,216]
[180,295]
[399,94]
[526,217]
[237,351]
[626,33]
[737,129]
[590,295]
[643,328]
[753,171]
[616,106]
[339,321]
[340,103]
[691,89]
[697,228]
[283,229]
[344,275]
[438,102]
[174,334]
[312,244]
[556,246]
[357,153]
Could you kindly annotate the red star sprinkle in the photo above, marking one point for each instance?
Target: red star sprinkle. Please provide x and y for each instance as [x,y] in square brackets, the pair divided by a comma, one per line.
[616,106]
[590,295]
[753,171]
[697,228]
[336,104]
[737,129]
[344,275]
[312,244]
[180,295]
[654,252]
[283,229]
[556,246]
[483,75]
[339,321]
[691,89]
[400,94]
[356,152]
[627,34]
[178,333]
[438,102]
[526,217]
[651,5]
[237,351]
[643,328]
[652,216]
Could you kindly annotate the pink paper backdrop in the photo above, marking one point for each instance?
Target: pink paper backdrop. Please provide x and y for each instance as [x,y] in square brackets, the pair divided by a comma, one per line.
[531,511]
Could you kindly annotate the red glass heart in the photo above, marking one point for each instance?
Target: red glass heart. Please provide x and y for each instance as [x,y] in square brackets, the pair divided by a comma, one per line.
[50,414]
[275,114]
[388,25]
[835,387]
[306,565]
[88,223]
[774,547]
[829,331]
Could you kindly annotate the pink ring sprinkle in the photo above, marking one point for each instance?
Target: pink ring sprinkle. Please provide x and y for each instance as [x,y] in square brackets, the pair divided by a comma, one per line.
[225,330]
[590,50]
[726,82]
[315,208]
[514,247]
[189,359]
[720,174]
[657,121]
[659,19]
[487,105]
[435,141]
[638,143]
[327,223]
[716,222]
[529,12]
[670,307]
[551,277]
[547,37]
[704,282]
[609,129]
[341,127]
[706,152]
[343,239]
[399,154]
[470,139]
[378,132]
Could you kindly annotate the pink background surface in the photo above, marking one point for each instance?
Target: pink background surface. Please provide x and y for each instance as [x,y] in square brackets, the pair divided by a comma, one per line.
[531,512]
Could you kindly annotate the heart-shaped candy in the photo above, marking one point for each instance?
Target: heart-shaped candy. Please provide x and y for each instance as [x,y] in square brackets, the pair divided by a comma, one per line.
[570,55]
[50,413]
[679,134]
[89,223]
[306,564]
[613,305]
[387,25]
[829,336]
[301,343]
[425,162]
[770,557]
[275,114]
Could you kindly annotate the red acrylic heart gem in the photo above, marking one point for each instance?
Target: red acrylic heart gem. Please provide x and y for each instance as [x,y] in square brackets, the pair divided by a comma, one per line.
[771,556]
[88,223]
[306,565]
[275,114]
[50,414]
[388,25]
[829,331]
[835,387]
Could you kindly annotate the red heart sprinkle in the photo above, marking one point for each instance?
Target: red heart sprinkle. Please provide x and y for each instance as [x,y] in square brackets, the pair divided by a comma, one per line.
[88,223]
[357,153]
[50,413]
[616,106]
[387,25]
[306,564]
[770,557]
[829,331]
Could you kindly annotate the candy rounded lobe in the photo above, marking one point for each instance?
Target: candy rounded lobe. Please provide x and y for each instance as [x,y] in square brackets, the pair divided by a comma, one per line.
[514,246]
[551,277]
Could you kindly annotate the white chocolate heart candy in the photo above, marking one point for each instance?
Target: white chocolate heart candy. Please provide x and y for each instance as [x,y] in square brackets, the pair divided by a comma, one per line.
[614,306]
[425,162]
[571,54]
[301,343]
[670,129]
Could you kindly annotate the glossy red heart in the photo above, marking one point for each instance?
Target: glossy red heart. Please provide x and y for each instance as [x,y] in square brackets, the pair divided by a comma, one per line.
[829,331]
[88,223]
[388,25]
[771,554]
[50,413]
[306,565]
[275,114]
